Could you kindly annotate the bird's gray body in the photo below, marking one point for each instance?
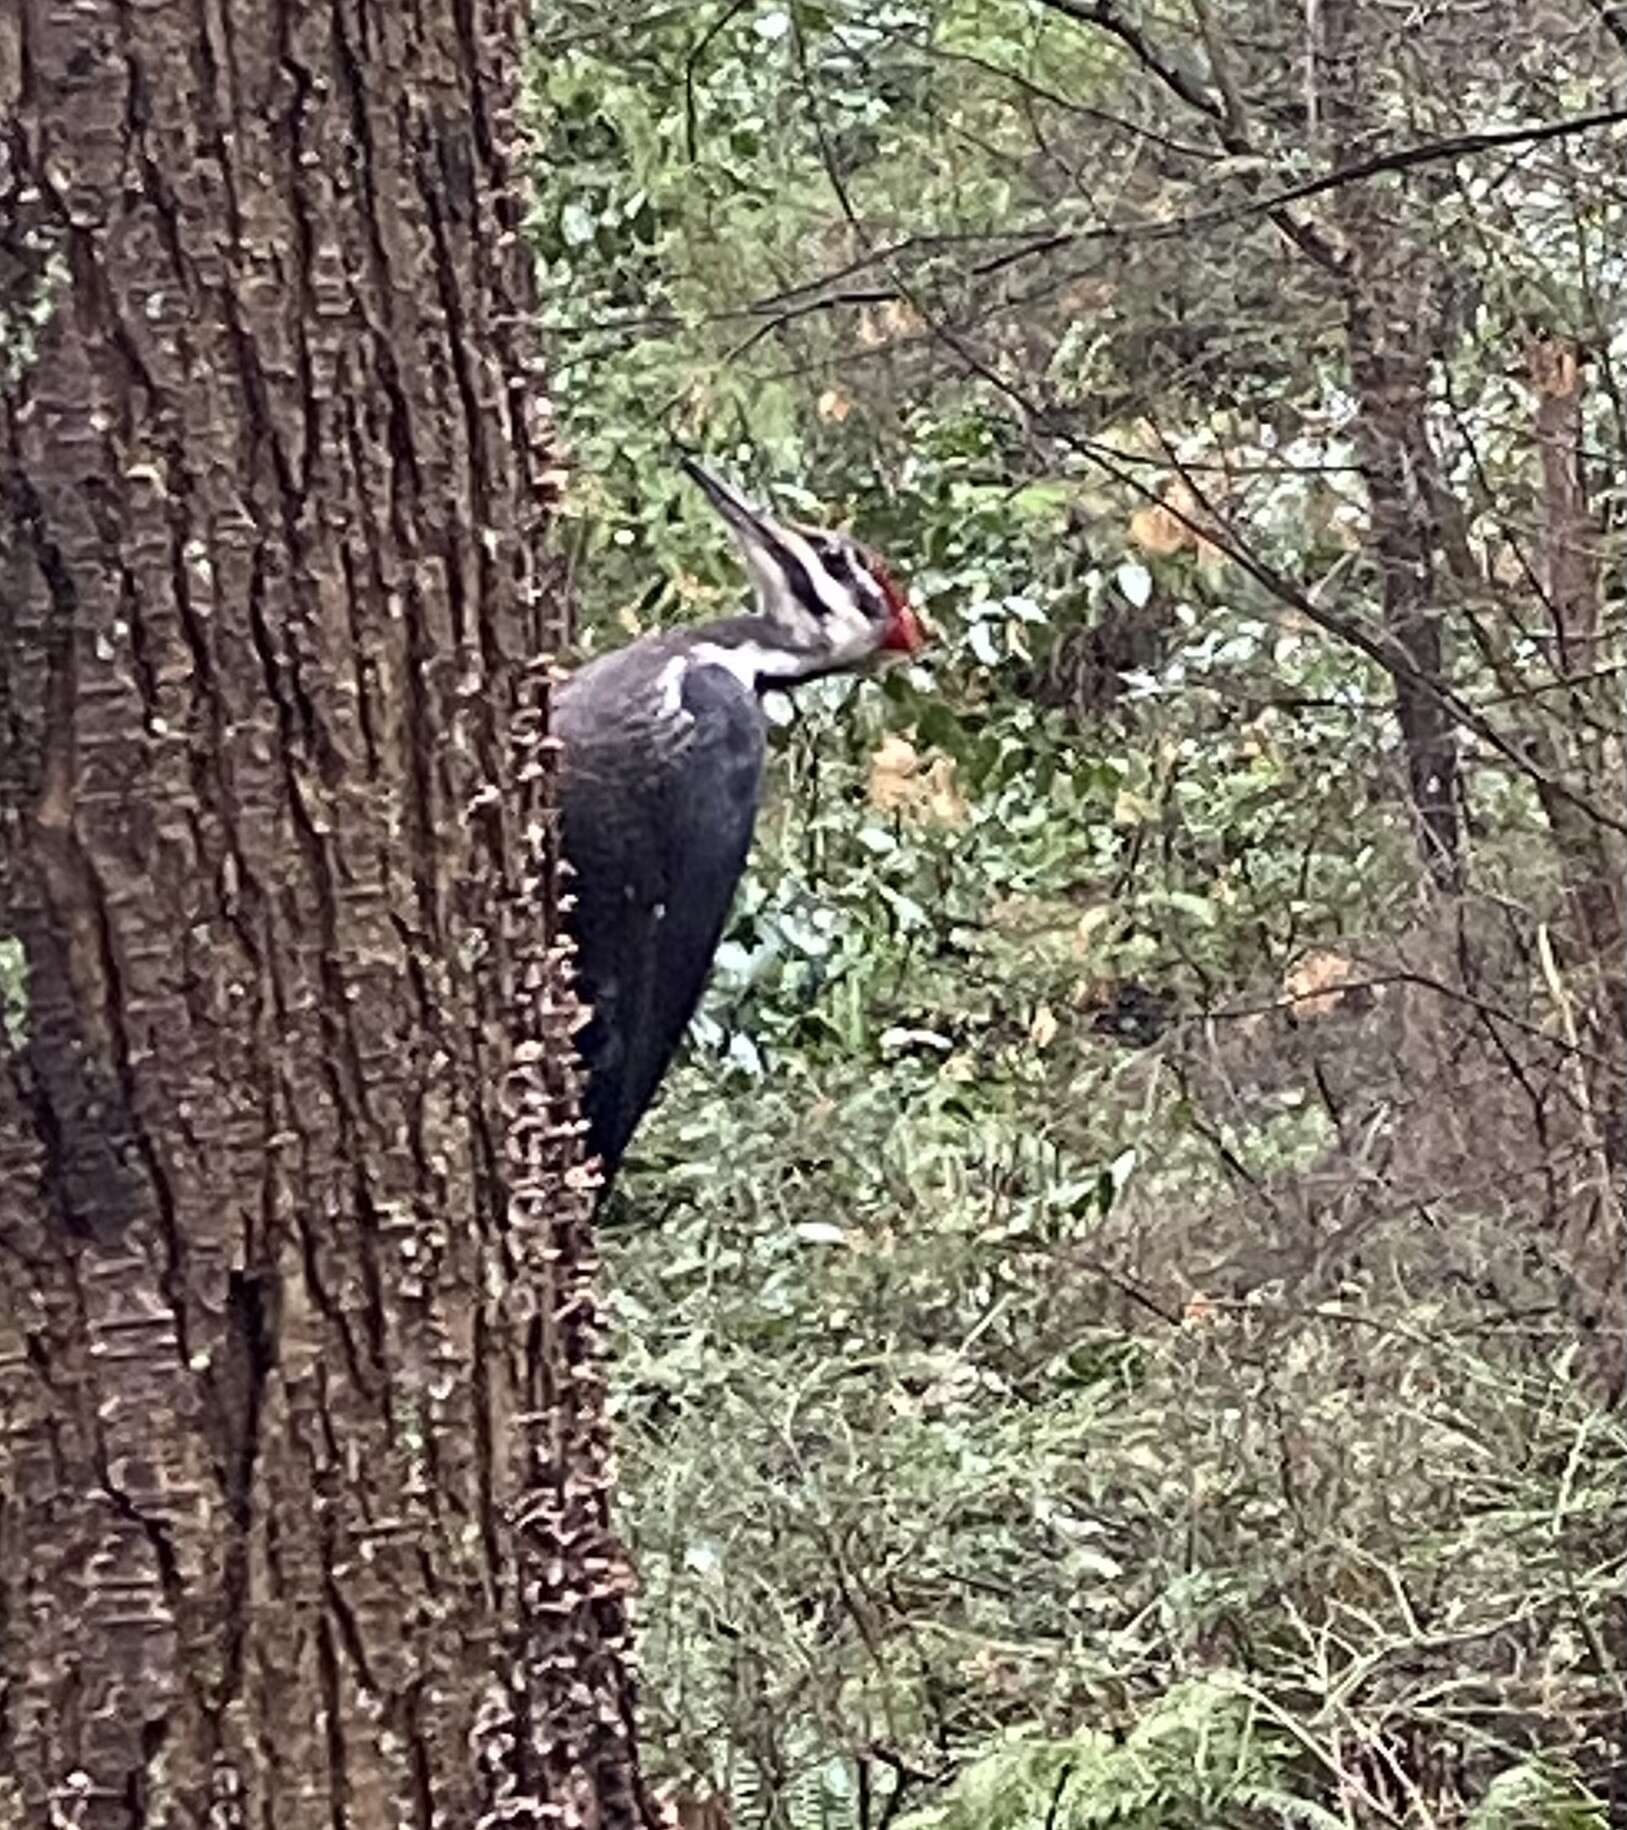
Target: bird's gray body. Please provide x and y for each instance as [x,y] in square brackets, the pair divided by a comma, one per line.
[662,768]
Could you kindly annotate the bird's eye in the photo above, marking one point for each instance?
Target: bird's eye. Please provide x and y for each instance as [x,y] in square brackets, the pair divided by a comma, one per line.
[836,562]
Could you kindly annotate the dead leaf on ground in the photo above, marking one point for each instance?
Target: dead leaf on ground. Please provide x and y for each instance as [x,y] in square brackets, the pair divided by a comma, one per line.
[1043,1029]
[920,788]
[1156,530]
[1091,924]
[1320,983]
[1030,917]
[892,773]
[1086,297]
[1509,567]
[883,324]
[1166,526]
[1197,1311]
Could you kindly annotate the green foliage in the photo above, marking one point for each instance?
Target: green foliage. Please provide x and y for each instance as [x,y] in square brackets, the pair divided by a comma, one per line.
[13,992]
[1200,1758]
[1538,1793]
[1073,1366]
[903,1474]
[26,308]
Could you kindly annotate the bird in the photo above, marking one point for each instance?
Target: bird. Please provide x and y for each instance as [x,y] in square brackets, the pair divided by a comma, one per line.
[661,775]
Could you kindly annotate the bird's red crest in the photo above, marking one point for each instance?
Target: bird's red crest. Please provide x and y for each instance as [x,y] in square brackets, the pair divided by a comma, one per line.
[904,632]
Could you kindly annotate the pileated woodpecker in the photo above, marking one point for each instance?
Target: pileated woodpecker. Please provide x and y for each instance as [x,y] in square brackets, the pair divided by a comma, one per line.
[661,774]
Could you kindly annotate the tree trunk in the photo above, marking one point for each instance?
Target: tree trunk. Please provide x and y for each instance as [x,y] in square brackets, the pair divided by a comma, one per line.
[303,1470]
[1576,736]
[1584,743]
[1391,376]
[1390,292]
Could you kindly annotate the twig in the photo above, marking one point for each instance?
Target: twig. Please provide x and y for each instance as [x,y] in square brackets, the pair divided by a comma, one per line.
[1062,1779]
[813,295]
[1106,15]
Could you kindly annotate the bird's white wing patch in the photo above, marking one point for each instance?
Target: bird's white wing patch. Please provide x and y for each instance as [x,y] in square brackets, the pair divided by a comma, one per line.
[670,686]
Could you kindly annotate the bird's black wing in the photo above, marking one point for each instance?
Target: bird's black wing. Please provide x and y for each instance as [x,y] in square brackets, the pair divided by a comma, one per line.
[658,801]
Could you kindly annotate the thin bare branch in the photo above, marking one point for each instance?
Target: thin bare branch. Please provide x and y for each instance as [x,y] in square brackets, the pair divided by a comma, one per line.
[1039,92]
[1613,17]
[1106,15]
[1033,243]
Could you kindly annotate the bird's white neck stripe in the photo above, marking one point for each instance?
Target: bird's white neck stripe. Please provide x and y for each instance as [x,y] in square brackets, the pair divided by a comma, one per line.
[751,663]
[837,602]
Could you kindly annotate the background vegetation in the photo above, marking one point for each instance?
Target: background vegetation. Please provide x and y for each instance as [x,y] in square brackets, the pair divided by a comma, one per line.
[1120,1312]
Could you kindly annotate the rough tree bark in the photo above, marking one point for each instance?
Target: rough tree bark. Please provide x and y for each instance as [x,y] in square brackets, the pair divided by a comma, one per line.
[1390,286]
[302,1459]
[1576,736]
[1584,743]
[1390,374]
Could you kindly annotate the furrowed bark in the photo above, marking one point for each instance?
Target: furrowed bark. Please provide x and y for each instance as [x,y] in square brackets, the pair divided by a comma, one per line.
[1389,288]
[1579,738]
[1571,548]
[1391,382]
[302,1464]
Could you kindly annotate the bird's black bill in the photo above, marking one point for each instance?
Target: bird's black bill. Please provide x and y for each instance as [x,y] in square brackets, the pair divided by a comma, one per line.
[756,533]
[730,504]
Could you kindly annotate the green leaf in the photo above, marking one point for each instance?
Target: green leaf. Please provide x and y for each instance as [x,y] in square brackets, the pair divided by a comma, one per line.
[1135,581]
[980,639]
[1200,908]
[576,225]
[820,1232]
